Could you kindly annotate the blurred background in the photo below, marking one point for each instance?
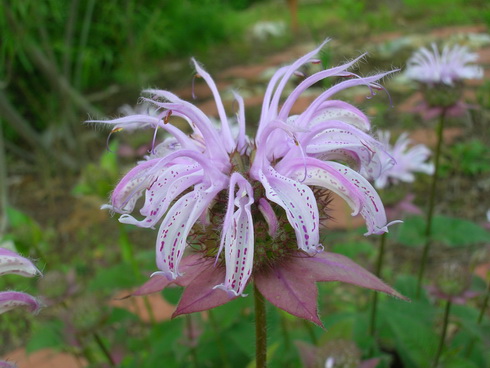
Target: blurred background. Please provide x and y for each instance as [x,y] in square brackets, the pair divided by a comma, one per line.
[66,61]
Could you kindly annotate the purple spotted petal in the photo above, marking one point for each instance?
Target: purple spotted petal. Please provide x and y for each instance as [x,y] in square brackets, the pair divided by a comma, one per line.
[201,293]
[12,263]
[163,191]
[291,287]
[238,237]
[300,205]
[13,299]
[175,227]
[350,185]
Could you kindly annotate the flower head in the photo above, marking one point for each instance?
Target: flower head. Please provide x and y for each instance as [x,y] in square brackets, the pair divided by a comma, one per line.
[406,160]
[448,67]
[244,207]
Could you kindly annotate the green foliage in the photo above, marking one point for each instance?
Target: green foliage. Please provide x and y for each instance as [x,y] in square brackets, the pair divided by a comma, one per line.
[467,158]
[46,335]
[450,231]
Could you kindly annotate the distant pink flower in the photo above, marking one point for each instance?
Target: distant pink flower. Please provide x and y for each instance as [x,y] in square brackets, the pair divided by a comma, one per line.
[244,206]
[406,160]
[448,67]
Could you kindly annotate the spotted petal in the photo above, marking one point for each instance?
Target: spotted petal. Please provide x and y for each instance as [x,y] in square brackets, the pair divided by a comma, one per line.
[176,225]
[165,189]
[238,237]
[13,299]
[350,185]
[12,263]
[300,205]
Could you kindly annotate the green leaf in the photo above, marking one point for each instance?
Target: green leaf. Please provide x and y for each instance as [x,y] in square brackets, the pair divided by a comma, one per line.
[450,231]
[354,249]
[120,276]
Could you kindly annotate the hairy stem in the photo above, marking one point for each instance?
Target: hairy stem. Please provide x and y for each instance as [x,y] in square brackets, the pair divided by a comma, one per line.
[260,330]
[104,349]
[432,195]
[443,334]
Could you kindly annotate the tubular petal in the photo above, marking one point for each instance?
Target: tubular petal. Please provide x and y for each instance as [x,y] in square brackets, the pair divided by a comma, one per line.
[300,205]
[238,237]
[12,263]
[13,299]
[176,225]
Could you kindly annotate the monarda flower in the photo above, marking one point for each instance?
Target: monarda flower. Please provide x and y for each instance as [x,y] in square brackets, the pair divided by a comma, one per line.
[406,160]
[234,209]
[441,75]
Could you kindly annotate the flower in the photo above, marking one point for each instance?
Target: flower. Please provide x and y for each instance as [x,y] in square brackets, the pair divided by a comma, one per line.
[12,263]
[406,161]
[441,76]
[448,67]
[246,207]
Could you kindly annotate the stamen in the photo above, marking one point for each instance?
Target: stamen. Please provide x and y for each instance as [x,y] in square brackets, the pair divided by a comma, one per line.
[197,75]
[115,130]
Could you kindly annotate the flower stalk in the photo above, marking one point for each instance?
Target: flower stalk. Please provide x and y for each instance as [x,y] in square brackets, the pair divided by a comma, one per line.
[432,195]
[260,330]
[447,310]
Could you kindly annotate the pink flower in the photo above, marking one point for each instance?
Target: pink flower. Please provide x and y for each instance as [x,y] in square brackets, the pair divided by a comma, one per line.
[448,67]
[406,160]
[245,206]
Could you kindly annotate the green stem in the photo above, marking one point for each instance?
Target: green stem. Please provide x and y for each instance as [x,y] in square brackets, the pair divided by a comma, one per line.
[219,341]
[104,349]
[432,195]
[190,334]
[260,330]
[485,304]
[443,334]
[377,272]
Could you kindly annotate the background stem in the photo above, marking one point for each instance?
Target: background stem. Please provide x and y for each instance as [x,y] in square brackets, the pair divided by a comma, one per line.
[443,334]
[432,195]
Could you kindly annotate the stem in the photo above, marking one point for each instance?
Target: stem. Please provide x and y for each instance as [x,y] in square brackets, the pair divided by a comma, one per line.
[443,334]
[219,341]
[190,336]
[379,266]
[432,195]
[485,304]
[260,330]
[104,350]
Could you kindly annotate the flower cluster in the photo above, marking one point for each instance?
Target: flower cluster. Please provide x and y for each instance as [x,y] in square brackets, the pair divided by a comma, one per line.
[406,160]
[248,208]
